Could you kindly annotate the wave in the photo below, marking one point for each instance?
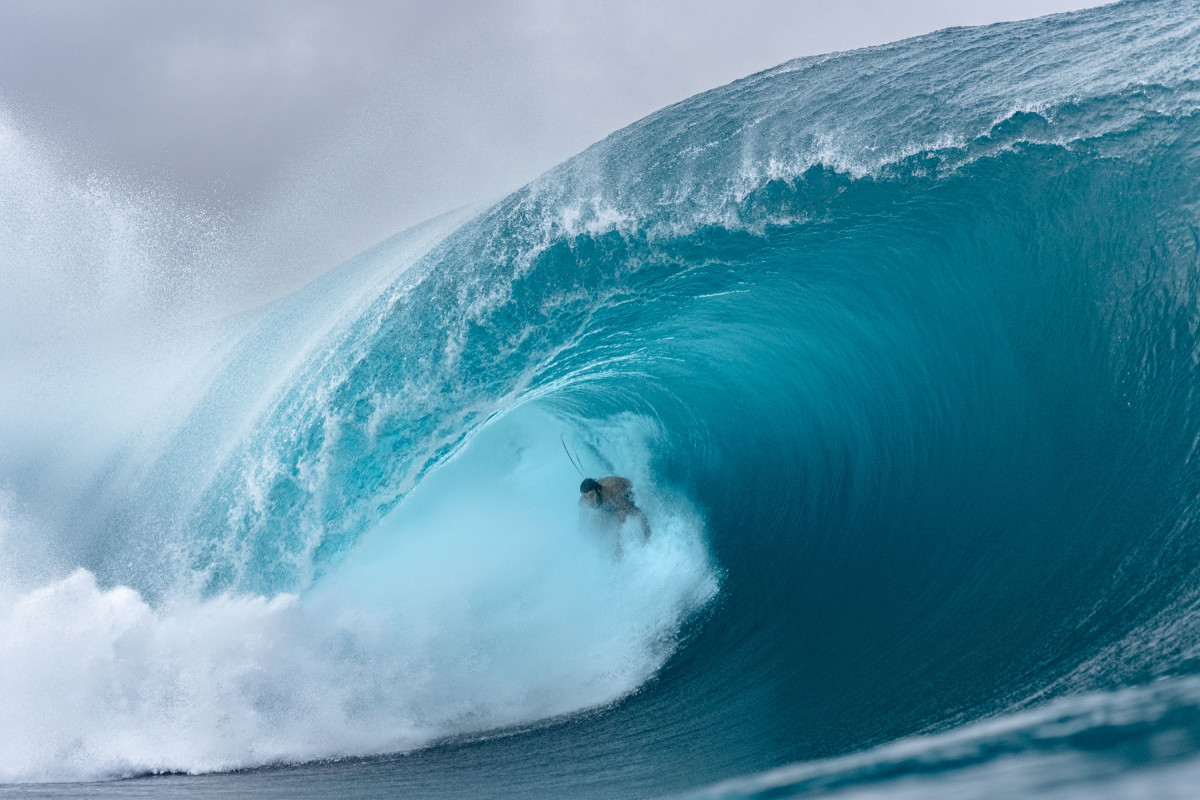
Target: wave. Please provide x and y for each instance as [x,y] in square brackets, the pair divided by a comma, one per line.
[898,347]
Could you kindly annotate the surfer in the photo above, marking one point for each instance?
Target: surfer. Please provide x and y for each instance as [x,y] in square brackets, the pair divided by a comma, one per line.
[610,500]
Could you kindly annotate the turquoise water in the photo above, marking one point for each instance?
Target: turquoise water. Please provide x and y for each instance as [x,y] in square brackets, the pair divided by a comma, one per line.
[899,347]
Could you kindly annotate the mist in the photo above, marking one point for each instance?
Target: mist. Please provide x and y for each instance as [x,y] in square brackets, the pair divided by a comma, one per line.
[307,131]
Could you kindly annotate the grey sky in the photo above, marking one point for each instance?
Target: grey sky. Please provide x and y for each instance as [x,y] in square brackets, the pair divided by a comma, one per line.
[332,125]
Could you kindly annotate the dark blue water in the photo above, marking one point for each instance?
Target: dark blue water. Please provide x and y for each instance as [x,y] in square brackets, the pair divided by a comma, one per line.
[900,348]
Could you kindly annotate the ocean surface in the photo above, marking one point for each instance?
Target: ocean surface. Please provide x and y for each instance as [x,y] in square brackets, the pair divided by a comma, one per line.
[901,350]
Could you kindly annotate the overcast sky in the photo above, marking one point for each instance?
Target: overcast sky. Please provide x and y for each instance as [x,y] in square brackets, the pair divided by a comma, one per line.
[340,123]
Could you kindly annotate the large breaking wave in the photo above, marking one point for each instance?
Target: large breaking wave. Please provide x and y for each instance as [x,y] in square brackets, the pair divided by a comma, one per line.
[899,347]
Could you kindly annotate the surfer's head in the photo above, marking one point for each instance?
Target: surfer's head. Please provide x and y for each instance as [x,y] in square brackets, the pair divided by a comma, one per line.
[590,491]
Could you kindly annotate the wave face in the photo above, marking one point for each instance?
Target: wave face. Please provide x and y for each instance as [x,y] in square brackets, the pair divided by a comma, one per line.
[900,349]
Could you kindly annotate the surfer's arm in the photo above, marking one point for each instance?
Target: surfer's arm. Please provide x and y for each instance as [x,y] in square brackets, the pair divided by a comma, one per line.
[637,512]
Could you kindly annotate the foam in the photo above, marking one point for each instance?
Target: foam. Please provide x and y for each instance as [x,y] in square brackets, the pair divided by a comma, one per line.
[476,604]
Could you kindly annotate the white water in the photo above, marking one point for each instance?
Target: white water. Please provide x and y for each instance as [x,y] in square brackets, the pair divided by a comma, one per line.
[477,603]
